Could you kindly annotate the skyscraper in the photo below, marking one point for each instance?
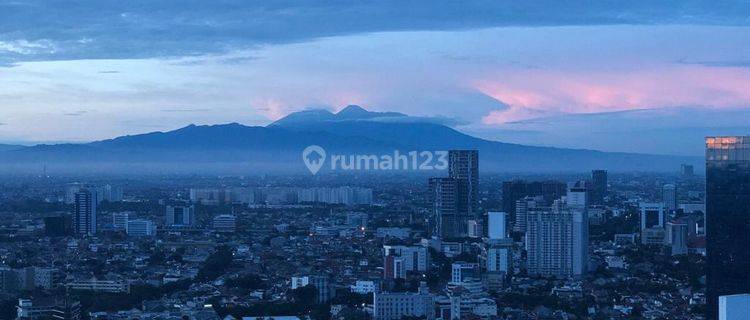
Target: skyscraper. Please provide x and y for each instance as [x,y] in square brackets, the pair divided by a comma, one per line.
[463,165]
[669,196]
[599,186]
[446,222]
[727,218]
[84,215]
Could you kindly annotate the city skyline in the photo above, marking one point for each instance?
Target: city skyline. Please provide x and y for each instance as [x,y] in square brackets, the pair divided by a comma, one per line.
[374,160]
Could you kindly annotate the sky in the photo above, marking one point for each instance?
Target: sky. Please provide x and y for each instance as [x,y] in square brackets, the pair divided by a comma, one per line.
[633,77]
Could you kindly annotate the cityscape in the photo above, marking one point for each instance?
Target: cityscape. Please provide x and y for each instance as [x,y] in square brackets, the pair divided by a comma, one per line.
[385,160]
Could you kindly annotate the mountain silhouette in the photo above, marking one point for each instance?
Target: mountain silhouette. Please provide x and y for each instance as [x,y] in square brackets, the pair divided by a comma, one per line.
[236,148]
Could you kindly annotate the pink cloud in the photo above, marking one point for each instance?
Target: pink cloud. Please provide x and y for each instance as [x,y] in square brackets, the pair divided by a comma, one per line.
[532,93]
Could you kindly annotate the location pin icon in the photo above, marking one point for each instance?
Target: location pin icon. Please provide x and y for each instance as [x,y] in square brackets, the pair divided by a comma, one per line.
[314,156]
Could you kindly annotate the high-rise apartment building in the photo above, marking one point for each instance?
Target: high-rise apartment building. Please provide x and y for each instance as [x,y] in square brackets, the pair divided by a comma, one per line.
[84,214]
[727,218]
[557,241]
[522,208]
[598,186]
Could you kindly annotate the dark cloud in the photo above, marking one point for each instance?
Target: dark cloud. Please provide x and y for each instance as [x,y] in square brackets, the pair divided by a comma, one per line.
[45,30]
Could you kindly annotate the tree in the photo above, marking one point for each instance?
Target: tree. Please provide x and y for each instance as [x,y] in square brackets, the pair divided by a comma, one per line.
[216,264]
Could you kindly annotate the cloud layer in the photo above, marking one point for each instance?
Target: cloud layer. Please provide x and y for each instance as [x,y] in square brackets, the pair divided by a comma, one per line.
[92,71]
[92,29]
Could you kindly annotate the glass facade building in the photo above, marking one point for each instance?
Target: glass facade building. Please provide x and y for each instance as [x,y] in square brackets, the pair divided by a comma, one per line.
[727,218]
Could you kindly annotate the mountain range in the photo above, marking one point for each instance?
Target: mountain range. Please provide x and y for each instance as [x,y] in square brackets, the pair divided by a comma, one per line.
[236,148]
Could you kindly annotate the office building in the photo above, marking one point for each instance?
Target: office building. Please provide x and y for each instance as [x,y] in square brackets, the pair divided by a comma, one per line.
[140,228]
[399,305]
[455,199]
[180,216]
[399,260]
[394,267]
[686,170]
[669,197]
[598,186]
[496,227]
[447,222]
[463,166]
[96,285]
[727,215]
[225,223]
[497,261]
[468,276]
[120,220]
[84,214]
[557,241]
[734,307]
[652,220]
[460,305]
[676,238]
[465,272]
[48,308]
[365,286]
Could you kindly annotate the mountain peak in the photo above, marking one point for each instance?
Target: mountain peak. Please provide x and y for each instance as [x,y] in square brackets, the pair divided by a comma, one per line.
[352,109]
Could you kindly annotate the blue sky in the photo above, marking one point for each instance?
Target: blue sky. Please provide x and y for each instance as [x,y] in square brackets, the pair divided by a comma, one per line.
[653,76]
